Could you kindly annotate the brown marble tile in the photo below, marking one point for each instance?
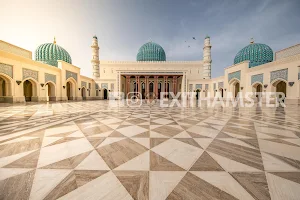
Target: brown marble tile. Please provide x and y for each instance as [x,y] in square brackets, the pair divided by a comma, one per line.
[69,163]
[292,176]
[245,155]
[255,183]
[277,140]
[240,131]
[135,182]
[189,141]
[67,185]
[95,142]
[85,176]
[156,141]
[168,131]
[193,188]
[120,152]
[292,162]
[206,163]
[17,187]
[252,142]
[159,163]
[19,147]
[223,135]
[143,135]
[29,161]
[116,134]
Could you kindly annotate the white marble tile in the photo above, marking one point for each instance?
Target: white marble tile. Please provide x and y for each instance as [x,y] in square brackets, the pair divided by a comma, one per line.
[105,187]
[130,131]
[225,182]
[162,183]
[45,180]
[93,162]
[55,153]
[180,153]
[139,163]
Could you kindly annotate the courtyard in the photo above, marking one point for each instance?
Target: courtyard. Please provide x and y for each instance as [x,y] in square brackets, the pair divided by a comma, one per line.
[89,150]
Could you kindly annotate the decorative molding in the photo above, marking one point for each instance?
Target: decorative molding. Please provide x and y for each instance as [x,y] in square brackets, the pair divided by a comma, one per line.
[233,75]
[279,74]
[71,74]
[257,78]
[104,85]
[220,85]
[50,77]
[198,86]
[83,84]
[28,73]
[6,69]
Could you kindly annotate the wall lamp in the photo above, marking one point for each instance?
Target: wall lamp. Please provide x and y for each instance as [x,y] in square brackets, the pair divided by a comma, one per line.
[18,82]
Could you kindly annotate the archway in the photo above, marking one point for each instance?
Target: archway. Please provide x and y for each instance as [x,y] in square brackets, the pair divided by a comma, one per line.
[143,90]
[105,93]
[236,89]
[197,94]
[5,89]
[71,89]
[29,90]
[258,90]
[50,91]
[280,86]
[151,90]
[159,90]
[222,92]
[83,93]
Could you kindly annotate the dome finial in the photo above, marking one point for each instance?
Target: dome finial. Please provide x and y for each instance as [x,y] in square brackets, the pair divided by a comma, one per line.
[54,42]
[251,41]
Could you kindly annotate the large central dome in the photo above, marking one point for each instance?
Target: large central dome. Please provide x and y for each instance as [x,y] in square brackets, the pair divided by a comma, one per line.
[50,53]
[256,53]
[151,52]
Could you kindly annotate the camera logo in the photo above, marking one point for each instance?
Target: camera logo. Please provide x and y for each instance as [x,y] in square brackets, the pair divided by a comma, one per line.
[134,99]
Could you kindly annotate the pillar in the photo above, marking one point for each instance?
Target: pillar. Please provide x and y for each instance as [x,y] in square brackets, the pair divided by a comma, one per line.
[127,85]
[147,84]
[156,86]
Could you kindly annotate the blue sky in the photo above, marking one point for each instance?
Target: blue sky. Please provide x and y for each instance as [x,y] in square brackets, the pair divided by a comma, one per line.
[122,26]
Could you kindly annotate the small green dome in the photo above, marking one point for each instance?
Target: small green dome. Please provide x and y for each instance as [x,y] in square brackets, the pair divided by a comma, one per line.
[151,52]
[50,53]
[256,53]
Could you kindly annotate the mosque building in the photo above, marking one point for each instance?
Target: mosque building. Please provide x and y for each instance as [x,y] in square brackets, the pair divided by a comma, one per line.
[53,77]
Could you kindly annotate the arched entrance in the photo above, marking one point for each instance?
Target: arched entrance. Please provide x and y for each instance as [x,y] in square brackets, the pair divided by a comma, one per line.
[197,94]
[280,86]
[151,90]
[258,90]
[143,90]
[236,89]
[105,93]
[29,90]
[159,90]
[222,92]
[71,89]
[50,87]
[83,93]
[5,89]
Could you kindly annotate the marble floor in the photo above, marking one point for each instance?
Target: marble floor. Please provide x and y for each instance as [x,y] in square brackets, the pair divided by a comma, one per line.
[89,150]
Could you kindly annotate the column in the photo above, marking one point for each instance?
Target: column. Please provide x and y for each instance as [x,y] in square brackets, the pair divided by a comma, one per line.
[127,85]
[166,85]
[175,85]
[147,85]
[156,86]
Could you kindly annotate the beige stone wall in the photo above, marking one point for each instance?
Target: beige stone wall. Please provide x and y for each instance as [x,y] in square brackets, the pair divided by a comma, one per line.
[290,51]
[4,46]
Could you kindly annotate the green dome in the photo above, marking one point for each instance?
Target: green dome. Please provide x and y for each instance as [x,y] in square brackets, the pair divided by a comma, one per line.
[50,53]
[151,52]
[256,53]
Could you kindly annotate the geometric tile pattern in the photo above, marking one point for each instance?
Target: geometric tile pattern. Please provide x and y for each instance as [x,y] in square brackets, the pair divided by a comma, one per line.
[88,150]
